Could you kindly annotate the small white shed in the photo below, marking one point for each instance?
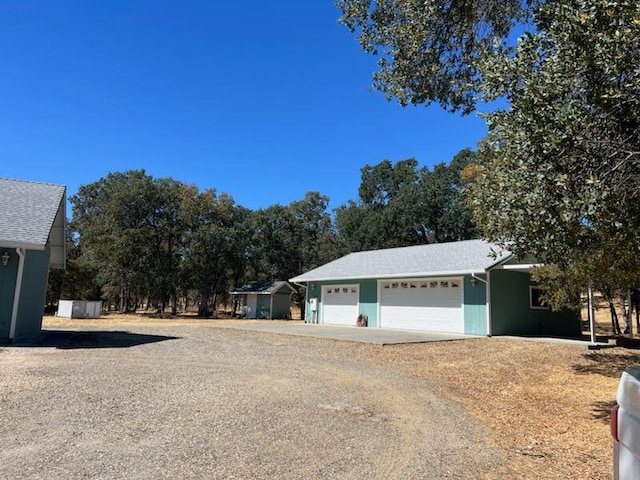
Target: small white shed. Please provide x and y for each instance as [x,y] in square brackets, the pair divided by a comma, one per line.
[79,308]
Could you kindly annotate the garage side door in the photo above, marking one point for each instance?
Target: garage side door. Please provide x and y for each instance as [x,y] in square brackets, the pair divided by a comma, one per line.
[340,304]
[432,305]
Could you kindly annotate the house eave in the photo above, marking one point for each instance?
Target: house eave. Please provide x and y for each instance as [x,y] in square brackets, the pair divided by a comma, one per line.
[444,273]
[524,267]
[24,245]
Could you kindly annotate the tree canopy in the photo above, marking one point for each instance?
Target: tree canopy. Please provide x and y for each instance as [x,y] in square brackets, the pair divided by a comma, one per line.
[401,204]
[562,163]
[429,50]
[557,175]
[147,239]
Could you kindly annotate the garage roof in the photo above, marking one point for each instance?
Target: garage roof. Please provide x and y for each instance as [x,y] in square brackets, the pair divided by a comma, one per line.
[31,214]
[454,258]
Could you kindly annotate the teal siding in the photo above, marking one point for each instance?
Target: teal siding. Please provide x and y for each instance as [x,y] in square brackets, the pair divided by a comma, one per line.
[33,293]
[281,305]
[512,315]
[313,291]
[369,301]
[8,275]
[263,306]
[475,307]
[510,310]
[368,298]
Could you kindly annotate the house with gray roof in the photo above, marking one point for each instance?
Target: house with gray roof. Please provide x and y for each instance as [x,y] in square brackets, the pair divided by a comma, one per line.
[268,300]
[32,240]
[470,287]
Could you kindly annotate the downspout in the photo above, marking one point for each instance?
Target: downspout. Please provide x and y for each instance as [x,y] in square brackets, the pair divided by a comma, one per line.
[487,282]
[16,295]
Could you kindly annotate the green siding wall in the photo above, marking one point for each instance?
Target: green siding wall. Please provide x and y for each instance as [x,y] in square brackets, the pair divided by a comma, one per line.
[263,306]
[313,291]
[475,307]
[281,305]
[7,290]
[511,314]
[369,301]
[34,292]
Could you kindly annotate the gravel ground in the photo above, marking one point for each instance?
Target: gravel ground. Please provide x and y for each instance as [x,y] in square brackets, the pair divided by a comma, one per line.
[198,401]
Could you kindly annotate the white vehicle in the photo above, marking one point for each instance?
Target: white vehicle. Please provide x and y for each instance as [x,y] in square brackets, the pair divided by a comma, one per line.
[625,426]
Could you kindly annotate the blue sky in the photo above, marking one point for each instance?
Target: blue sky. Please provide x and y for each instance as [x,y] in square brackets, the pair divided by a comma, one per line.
[261,100]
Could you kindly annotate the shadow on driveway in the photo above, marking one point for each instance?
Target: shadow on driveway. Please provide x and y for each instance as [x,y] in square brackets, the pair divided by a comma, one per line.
[70,339]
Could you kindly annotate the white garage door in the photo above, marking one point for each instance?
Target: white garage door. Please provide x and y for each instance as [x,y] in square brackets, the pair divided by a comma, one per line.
[340,304]
[434,304]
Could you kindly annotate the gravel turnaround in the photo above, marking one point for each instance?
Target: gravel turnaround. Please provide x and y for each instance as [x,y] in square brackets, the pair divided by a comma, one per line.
[164,401]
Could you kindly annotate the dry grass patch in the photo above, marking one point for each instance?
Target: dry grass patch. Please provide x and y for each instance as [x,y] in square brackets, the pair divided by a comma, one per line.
[546,405]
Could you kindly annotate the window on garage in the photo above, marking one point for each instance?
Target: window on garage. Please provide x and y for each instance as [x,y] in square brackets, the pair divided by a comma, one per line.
[535,298]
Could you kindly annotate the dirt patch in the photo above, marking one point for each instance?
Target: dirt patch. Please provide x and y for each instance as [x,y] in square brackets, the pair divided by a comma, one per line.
[546,405]
[185,399]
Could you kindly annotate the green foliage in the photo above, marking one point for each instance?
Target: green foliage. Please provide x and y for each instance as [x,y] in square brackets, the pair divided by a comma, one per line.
[428,50]
[140,238]
[402,205]
[287,240]
[131,230]
[561,171]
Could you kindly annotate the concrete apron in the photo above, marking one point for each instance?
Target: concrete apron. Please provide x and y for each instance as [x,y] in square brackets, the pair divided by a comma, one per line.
[376,336]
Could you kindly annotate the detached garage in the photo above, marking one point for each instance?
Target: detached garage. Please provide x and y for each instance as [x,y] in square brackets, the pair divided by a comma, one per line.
[265,300]
[471,287]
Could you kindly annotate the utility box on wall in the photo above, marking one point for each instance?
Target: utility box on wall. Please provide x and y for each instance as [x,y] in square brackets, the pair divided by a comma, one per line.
[79,308]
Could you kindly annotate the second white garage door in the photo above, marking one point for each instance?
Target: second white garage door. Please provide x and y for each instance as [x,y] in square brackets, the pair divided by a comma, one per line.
[340,304]
[433,305]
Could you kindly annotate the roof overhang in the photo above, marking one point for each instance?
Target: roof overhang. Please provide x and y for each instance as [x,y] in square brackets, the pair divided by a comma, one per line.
[58,238]
[240,292]
[523,267]
[446,273]
[268,291]
[23,245]
[56,242]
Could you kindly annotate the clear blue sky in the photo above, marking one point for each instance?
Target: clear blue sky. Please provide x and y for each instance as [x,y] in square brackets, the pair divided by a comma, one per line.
[261,100]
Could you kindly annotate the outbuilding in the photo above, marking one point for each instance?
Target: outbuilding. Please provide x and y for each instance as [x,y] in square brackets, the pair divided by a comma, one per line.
[79,308]
[470,287]
[267,300]
[32,240]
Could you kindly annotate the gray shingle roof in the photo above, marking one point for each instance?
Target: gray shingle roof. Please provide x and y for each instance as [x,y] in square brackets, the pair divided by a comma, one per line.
[263,287]
[454,258]
[30,213]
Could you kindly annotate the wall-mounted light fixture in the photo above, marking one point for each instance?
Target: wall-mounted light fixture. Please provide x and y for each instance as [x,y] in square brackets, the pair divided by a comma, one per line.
[5,258]
[473,281]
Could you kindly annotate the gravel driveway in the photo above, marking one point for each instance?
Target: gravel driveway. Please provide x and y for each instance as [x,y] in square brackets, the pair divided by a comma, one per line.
[201,402]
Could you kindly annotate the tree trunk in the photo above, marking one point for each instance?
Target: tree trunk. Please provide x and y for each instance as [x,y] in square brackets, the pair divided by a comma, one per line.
[202,308]
[174,302]
[615,324]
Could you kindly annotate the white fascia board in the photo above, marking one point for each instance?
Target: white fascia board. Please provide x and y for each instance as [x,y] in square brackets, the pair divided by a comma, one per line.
[25,245]
[251,293]
[403,275]
[528,266]
[522,266]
